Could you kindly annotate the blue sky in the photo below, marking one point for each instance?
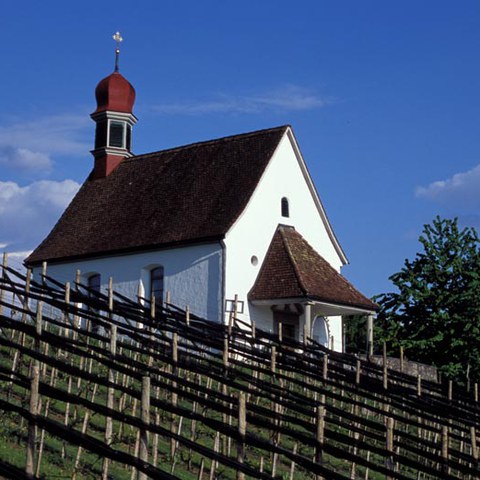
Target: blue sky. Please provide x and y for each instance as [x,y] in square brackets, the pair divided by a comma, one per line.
[383,98]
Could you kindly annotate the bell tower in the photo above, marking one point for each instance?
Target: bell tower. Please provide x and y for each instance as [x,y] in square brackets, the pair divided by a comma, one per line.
[114,120]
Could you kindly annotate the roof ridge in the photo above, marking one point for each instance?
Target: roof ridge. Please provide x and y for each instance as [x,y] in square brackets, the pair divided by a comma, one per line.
[298,275]
[212,141]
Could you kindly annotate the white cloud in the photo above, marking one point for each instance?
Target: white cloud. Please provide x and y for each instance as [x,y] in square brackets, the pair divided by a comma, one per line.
[28,213]
[16,259]
[29,145]
[287,98]
[462,190]
[24,159]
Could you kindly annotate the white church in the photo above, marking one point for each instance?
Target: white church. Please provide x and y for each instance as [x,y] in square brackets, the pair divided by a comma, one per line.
[232,218]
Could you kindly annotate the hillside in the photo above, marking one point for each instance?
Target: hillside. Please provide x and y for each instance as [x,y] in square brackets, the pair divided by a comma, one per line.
[100,385]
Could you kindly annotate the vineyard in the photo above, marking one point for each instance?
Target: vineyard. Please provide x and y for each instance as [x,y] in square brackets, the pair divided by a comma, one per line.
[101,386]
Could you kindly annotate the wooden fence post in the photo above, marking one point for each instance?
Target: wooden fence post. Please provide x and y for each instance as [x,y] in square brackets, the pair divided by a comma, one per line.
[242,430]
[110,399]
[78,278]
[77,321]
[325,366]
[369,336]
[3,276]
[44,273]
[67,297]
[233,315]
[292,464]
[401,359]
[173,425]
[389,423]
[110,294]
[445,447]
[225,354]
[26,297]
[145,415]
[38,325]
[175,352]
[273,360]
[358,372]
[235,306]
[320,436]
[216,449]
[200,470]
[473,440]
[32,427]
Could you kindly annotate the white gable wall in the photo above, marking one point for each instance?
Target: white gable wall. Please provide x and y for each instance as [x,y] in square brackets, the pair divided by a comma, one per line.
[193,275]
[252,233]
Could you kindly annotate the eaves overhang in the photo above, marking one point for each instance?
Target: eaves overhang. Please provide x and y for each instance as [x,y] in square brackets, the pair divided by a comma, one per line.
[327,308]
[125,251]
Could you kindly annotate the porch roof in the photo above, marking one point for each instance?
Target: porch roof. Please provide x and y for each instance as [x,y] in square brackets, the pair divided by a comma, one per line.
[292,268]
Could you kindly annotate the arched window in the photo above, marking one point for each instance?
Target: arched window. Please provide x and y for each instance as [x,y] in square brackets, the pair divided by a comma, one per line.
[285,207]
[320,331]
[156,284]
[93,284]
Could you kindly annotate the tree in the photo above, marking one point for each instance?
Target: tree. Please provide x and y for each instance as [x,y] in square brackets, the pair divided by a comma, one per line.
[355,331]
[435,314]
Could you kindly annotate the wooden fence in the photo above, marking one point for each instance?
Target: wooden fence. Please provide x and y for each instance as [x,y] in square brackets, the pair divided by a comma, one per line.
[109,387]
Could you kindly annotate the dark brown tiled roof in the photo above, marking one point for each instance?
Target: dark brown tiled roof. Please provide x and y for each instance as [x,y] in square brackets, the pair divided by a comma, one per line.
[292,269]
[187,194]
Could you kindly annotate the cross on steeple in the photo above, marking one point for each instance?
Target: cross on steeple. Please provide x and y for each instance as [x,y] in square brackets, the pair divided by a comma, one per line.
[118,39]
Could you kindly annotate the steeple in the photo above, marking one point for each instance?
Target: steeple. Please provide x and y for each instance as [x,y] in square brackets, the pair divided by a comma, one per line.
[114,118]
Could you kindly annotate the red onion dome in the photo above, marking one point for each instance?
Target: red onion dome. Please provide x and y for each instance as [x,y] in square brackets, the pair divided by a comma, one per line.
[115,93]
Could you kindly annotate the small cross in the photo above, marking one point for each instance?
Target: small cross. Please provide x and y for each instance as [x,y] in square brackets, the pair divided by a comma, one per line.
[118,39]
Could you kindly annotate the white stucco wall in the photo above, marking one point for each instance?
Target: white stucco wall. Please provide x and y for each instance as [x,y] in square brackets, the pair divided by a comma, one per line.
[252,233]
[263,317]
[192,275]
[336,333]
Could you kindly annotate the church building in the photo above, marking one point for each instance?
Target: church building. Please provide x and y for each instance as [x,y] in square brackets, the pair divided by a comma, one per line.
[231,218]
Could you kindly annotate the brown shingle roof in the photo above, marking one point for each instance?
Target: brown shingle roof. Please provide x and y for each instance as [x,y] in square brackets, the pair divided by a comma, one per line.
[292,268]
[186,194]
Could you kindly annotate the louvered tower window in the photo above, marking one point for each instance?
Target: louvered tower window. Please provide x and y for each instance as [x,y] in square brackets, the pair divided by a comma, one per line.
[129,138]
[101,135]
[116,134]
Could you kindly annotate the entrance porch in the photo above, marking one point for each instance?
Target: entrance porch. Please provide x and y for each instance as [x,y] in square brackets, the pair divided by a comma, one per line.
[300,318]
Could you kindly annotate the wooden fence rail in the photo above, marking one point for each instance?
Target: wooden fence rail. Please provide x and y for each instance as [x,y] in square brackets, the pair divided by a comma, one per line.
[122,388]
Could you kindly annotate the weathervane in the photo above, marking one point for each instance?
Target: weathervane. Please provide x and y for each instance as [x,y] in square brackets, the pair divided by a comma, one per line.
[118,39]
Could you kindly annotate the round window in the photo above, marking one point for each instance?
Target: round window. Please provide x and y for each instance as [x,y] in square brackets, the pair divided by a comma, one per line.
[254,260]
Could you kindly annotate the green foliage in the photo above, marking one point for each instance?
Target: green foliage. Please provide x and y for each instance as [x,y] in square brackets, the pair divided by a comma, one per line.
[355,329]
[435,314]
